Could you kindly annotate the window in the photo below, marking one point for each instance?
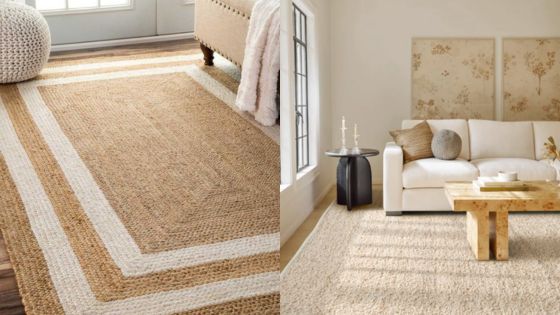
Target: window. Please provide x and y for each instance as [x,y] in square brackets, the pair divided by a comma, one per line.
[301,88]
[80,5]
[299,136]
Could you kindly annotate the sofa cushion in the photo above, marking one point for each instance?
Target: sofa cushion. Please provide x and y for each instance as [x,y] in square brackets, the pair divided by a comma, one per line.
[525,168]
[543,130]
[460,126]
[499,139]
[434,173]
[416,142]
[446,145]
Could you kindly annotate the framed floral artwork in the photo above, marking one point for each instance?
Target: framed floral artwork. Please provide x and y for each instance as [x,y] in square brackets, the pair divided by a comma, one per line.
[453,78]
[531,79]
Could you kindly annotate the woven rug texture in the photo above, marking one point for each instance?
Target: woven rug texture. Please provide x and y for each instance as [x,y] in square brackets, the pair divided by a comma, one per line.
[131,185]
[363,262]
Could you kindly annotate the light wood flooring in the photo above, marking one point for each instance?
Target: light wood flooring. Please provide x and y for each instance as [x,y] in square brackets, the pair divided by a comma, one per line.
[10,301]
[292,245]
[169,46]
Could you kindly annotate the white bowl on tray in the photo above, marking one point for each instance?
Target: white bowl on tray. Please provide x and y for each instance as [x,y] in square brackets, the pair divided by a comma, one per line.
[507,176]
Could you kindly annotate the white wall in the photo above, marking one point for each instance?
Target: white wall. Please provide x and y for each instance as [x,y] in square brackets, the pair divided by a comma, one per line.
[371,45]
[299,198]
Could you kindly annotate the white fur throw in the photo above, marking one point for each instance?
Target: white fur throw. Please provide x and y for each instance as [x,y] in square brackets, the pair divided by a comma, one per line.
[25,42]
[261,63]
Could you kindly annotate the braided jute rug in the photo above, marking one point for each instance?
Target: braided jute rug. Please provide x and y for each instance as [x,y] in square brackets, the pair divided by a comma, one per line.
[130,185]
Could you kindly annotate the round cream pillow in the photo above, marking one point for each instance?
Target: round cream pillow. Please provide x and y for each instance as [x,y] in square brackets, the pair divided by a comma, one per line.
[25,42]
[446,145]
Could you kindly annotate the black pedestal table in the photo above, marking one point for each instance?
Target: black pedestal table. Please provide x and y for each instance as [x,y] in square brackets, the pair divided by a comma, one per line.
[353,176]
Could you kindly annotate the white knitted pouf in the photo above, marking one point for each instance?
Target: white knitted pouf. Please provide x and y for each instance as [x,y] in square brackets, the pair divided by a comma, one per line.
[25,42]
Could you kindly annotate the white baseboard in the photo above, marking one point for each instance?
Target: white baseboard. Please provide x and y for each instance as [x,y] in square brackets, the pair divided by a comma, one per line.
[121,42]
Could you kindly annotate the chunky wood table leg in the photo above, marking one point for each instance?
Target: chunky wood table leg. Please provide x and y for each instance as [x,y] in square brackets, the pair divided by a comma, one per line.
[478,234]
[499,238]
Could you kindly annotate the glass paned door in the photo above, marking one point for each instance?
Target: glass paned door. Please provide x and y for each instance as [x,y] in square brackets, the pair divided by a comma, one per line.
[76,21]
[66,5]
[175,16]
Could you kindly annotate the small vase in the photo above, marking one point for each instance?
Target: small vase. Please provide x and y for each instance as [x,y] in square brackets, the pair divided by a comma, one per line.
[556,164]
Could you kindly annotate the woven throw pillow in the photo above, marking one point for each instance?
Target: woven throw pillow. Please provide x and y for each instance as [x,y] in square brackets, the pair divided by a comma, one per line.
[416,142]
[446,145]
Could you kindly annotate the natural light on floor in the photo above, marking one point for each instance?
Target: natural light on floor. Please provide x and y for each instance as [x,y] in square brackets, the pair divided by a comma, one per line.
[51,5]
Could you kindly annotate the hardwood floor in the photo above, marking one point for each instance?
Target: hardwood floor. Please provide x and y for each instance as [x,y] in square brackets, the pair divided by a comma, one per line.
[293,244]
[126,50]
[10,300]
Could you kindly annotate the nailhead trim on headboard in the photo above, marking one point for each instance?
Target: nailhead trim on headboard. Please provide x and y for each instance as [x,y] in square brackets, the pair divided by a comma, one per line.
[231,9]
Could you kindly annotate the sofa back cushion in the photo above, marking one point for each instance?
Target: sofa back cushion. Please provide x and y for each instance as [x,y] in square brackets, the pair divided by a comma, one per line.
[416,142]
[543,130]
[500,139]
[460,126]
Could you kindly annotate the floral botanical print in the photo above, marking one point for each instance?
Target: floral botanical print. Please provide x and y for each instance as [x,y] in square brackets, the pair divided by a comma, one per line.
[452,78]
[531,79]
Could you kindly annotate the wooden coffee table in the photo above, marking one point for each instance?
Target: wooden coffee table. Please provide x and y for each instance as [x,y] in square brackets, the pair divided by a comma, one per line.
[487,212]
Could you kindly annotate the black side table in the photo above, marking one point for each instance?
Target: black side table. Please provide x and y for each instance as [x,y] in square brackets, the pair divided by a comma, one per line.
[353,176]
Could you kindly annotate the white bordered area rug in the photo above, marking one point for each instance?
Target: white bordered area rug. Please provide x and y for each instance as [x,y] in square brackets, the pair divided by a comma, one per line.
[130,185]
[362,262]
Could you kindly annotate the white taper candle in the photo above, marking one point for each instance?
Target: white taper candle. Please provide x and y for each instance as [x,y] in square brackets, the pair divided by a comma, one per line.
[356,135]
[343,129]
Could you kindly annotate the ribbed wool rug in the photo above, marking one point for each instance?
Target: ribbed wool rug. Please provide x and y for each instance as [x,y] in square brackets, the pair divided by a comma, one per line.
[362,262]
[129,185]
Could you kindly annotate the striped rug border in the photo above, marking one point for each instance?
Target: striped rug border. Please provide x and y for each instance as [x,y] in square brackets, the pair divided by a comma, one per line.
[70,282]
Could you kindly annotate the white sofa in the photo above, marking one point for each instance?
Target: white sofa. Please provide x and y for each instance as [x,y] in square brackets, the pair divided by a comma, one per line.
[488,147]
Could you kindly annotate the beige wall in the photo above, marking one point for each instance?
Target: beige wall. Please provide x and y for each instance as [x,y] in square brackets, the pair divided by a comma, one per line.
[371,44]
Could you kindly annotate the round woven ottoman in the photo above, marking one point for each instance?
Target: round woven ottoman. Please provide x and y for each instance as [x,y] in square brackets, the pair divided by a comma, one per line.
[25,42]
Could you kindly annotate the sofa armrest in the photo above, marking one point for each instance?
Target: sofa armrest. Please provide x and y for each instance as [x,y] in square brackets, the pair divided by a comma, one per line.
[392,178]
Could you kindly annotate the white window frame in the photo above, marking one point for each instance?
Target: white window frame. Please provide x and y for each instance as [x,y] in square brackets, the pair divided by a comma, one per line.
[301,88]
[289,173]
[97,9]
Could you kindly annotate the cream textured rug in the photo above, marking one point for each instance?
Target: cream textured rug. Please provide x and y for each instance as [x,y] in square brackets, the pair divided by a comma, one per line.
[130,185]
[362,262]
